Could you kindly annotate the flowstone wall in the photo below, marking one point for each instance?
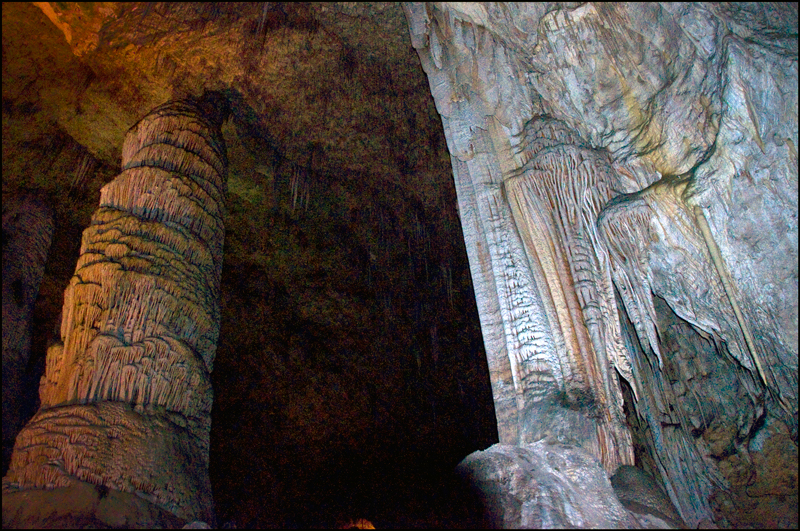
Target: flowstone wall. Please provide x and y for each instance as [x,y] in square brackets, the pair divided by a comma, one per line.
[605,155]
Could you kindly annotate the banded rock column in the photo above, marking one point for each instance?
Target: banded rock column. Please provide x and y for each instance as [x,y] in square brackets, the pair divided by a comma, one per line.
[126,397]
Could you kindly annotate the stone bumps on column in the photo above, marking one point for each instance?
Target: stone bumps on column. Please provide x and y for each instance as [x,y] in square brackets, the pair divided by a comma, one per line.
[126,397]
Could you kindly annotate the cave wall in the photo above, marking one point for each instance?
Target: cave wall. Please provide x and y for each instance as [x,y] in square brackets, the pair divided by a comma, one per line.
[694,107]
[27,235]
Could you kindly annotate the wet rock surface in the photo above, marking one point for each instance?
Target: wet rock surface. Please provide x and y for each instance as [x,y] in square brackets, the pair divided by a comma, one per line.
[542,485]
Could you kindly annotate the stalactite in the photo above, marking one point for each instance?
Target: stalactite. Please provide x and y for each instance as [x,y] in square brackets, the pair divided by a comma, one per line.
[83,172]
[719,265]
[300,187]
[294,181]
[656,246]
[633,226]
[626,233]
[140,325]
[261,30]
[447,282]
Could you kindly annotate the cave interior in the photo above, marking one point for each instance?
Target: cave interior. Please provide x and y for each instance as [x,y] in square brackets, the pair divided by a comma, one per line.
[351,374]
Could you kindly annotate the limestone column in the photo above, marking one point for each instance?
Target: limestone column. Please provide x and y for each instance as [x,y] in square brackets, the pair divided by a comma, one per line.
[27,235]
[126,397]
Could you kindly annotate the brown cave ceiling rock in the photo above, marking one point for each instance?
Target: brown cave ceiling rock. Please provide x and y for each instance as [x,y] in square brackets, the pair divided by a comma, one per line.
[297,67]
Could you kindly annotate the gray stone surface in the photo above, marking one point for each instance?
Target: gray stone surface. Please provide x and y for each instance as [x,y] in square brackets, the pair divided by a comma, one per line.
[696,107]
[543,485]
[641,494]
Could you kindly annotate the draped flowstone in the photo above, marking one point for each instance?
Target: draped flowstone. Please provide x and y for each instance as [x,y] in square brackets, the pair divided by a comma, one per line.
[528,192]
[555,198]
[656,249]
[627,180]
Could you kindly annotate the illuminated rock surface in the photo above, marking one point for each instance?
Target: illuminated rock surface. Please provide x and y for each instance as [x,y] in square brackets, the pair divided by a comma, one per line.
[126,396]
[603,228]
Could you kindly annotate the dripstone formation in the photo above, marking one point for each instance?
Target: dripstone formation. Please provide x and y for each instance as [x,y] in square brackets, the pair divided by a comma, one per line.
[126,396]
[602,154]
[573,230]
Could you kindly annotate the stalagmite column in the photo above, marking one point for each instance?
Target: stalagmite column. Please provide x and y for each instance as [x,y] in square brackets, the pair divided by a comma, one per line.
[126,398]
[27,234]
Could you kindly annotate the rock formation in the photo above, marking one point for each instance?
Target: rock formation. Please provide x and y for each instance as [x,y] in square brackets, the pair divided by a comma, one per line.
[641,494]
[27,234]
[126,397]
[542,485]
[595,142]
[624,177]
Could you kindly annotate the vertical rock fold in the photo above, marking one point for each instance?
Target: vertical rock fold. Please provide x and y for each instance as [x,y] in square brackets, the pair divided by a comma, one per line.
[584,139]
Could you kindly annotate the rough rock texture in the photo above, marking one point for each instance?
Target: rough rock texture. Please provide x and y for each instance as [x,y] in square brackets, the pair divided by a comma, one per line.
[350,374]
[543,485]
[529,192]
[555,198]
[640,493]
[350,371]
[126,397]
[691,111]
[27,234]
[83,505]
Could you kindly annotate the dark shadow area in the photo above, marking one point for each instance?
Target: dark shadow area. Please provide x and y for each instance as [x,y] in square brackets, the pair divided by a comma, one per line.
[350,376]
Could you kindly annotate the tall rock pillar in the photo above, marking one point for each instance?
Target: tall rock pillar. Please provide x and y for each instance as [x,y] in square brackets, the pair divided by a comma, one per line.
[529,188]
[122,435]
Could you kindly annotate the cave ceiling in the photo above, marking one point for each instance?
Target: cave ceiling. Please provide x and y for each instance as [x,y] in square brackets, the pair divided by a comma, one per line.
[313,83]
[347,300]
